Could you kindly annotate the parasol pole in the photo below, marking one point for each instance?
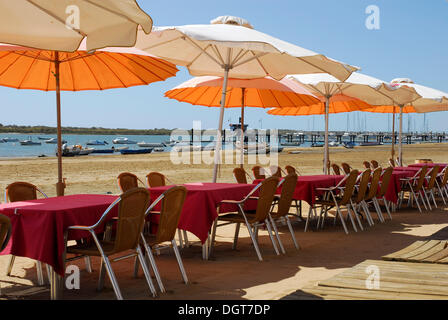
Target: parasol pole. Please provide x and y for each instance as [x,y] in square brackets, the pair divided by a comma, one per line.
[243,93]
[400,138]
[393,134]
[326,151]
[221,119]
[60,186]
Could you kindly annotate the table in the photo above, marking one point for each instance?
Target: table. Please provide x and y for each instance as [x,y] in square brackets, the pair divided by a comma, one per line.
[307,185]
[200,206]
[395,184]
[38,226]
[429,165]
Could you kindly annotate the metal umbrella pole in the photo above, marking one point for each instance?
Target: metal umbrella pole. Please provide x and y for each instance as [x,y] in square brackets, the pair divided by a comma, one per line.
[400,138]
[243,93]
[393,134]
[326,151]
[221,118]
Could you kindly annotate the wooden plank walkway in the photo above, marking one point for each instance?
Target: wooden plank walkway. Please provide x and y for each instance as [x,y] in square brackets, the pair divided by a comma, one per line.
[429,251]
[396,281]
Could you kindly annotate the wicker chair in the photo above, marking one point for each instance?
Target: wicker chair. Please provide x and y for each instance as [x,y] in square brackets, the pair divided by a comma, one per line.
[291,170]
[336,169]
[276,171]
[252,220]
[371,197]
[386,178]
[171,208]
[441,183]
[346,168]
[332,198]
[241,175]
[360,195]
[5,233]
[132,206]
[127,181]
[431,186]
[157,179]
[288,184]
[392,163]
[414,187]
[23,191]
[374,164]
[259,172]
[366,164]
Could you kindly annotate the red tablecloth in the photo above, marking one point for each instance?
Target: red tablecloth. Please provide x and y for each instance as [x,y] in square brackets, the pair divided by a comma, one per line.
[199,211]
[429,165]
[38,226]
[395,184]
[307,185]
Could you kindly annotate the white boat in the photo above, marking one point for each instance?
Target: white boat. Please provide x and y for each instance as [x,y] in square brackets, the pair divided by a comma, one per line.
[30,142]
[121,140]
[118,149]
[144,144]
[96,143]
[54,141]
[8,139]
[76,150]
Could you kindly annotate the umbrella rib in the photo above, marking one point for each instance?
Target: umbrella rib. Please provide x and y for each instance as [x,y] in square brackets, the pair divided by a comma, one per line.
[139,64]
[93,74]
[255,57]
[10,65]
[199,47]
[239,56]
[71,73]
[194,60]
[113,72]
[218,54]
[26,73]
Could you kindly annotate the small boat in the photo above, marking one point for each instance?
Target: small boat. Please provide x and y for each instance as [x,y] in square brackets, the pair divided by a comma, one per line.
[140,151]
[76,150]
[122,140]
[103,151]
[158,150]
[317,145]
[348,145]
[96,143]
[85,151]
[54,141]
[333,144]
[30,142]
[8,139]
[291,144]
[43,138]
[144,144]
[370,144]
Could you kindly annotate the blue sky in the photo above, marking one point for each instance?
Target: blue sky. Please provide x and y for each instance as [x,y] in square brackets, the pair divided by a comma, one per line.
[411,42]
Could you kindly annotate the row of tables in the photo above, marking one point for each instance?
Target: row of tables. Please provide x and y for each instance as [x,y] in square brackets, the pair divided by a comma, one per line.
[38,226]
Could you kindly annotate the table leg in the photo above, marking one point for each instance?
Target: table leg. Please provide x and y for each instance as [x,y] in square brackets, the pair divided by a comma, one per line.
[56,285]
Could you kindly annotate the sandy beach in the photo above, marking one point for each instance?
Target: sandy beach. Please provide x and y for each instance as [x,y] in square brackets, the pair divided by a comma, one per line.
[230,274]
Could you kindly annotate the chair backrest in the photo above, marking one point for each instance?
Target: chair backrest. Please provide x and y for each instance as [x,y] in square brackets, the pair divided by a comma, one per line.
[258,172]
[291,170]
[433,177]
[392,162]
[127,181]
[21,191]
[385,180]
[288,187]
[349,187]
[155,179]
[445,177]
[171,209]
[366,164]
[276,171]
[420,180]
[131,217]
[265,197]
[240,175]
[346,167]
[374,164]
[5,231]
[363,185]
[336,169]
[374,183]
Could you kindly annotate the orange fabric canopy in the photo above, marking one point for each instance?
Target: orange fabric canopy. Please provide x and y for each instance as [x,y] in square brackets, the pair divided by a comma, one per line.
[390,109]
[338,103]
[26,68]
[262,93]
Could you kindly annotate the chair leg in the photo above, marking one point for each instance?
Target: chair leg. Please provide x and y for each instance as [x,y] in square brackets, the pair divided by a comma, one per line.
[179,235]
[88,263]
[179,262]
[427,199]
[187,243]
[212,241]
[146,271]
[102,275]
[339,213]
[277,235]
[40,274]
[433,198]
[274,244]
[356,216]
[378,210]
[308,218]
[288,222]
[111,275]
[365,208]
[387,207]
[10,265]
[349,214]
[152,262]
[254,241]
[235,237]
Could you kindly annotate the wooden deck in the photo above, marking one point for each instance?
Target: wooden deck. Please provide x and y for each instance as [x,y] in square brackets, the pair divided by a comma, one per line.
[397,281]
[429,251]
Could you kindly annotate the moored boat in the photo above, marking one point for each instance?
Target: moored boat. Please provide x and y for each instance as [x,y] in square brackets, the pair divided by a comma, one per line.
[121,140]
[140,151]
[96,143]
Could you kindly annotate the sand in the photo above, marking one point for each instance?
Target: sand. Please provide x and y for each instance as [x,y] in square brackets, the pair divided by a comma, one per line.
[230,274]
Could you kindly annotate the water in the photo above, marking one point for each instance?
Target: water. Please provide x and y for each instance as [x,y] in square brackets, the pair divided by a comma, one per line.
[15,149]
